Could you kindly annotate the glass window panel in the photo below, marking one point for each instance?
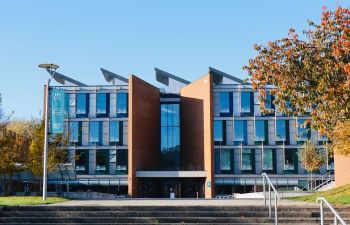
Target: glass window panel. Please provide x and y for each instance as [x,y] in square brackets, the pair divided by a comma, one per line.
[247,163]
[163,114]
[94,130]
[74,132]
[176,137]
[122,161]
[218,130]
[289,159]
[268,101]
[114,131]
[225,159]
[176,117]
[102,161]
[239,130]
[259,130]
[101,103]
[81,104]
[322,137]
[224,102]
[81,161]
[245,102]
[164,139]
[281,134]
[303,130]
[267,159]
[122,103]
[66,105]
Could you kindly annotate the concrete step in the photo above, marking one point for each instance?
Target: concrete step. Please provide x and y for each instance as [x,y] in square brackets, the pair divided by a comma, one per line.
[162,208]
[159,223]
[137,220]
[163,214]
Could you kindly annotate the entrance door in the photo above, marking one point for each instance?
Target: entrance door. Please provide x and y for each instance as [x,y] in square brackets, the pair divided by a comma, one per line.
[171,188]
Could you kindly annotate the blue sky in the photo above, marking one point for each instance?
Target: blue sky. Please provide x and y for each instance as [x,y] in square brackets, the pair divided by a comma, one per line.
[132,37]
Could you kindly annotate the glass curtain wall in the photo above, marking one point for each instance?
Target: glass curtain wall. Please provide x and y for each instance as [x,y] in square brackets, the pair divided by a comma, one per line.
[102,104]
[82,105]
[170,136]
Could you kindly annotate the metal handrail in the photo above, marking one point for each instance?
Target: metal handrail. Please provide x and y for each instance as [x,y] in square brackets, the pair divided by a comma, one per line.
[277,197]
[322,200]
[329,178]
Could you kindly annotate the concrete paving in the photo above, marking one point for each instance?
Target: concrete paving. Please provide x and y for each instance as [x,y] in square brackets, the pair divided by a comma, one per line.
[179,202]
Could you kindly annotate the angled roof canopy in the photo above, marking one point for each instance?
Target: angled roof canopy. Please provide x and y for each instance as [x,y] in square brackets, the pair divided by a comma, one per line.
[62,79]
[163,77]
[219,75]
[111,77]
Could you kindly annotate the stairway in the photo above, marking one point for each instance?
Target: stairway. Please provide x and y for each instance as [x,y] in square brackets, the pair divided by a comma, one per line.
[103,215]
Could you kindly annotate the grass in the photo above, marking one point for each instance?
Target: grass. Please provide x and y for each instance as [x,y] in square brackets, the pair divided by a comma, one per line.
[336,196]
[31,200]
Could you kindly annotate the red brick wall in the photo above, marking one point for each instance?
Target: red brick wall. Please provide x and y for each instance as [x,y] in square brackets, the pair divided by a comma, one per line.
[144,130]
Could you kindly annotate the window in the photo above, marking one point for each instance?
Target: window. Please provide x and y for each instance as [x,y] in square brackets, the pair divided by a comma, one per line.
[82,104]
[114,131]
[304,132]
[240,132]
[122,162]
[225,159]
[122,105]
[66,105]
[75,132]
[95,132]
[82,161]
[102,104]
[247,103]
[269,103]
[102,161]
[322,139]
[290,160]
[226,104]
[330,160]
[282,130]
[218,137]
[261,132]
[268,159]
[170,136]
[247,160]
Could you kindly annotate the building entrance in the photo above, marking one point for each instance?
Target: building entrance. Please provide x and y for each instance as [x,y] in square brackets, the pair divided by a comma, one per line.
[163,188]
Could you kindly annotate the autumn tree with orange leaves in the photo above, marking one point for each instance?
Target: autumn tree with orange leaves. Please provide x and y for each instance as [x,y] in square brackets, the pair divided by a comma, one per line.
[309,72]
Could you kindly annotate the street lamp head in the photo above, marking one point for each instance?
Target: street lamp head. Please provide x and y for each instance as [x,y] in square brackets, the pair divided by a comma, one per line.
[49,66]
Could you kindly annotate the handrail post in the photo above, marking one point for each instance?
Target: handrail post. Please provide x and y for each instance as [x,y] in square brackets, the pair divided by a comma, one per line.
[264,190]
[276,220]
[270,201]
[321,213]
[335,220]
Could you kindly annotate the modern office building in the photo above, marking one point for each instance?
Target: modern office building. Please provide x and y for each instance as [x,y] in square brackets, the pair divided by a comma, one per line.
[195,139]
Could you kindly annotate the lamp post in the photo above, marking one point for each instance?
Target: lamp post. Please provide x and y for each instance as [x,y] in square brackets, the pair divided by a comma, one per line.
[53,68]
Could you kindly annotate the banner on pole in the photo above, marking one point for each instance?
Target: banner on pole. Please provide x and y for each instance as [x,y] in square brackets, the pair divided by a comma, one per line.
[57,111]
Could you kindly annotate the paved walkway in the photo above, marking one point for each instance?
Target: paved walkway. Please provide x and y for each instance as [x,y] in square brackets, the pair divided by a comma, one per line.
[179,202]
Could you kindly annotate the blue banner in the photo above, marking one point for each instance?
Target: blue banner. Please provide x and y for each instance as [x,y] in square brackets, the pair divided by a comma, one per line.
[57,111]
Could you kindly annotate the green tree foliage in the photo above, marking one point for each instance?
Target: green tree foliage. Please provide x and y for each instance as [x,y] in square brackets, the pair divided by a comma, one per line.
[310,157]
[341,138]
[13,156]
[57,151]
[311,72]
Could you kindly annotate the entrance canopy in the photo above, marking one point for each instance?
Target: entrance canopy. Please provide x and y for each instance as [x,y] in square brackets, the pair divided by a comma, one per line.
[171,174]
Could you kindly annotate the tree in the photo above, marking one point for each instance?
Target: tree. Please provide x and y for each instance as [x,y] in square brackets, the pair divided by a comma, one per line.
[13,152]
[311,73]
[57,151]
[341,138]
[311,158]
